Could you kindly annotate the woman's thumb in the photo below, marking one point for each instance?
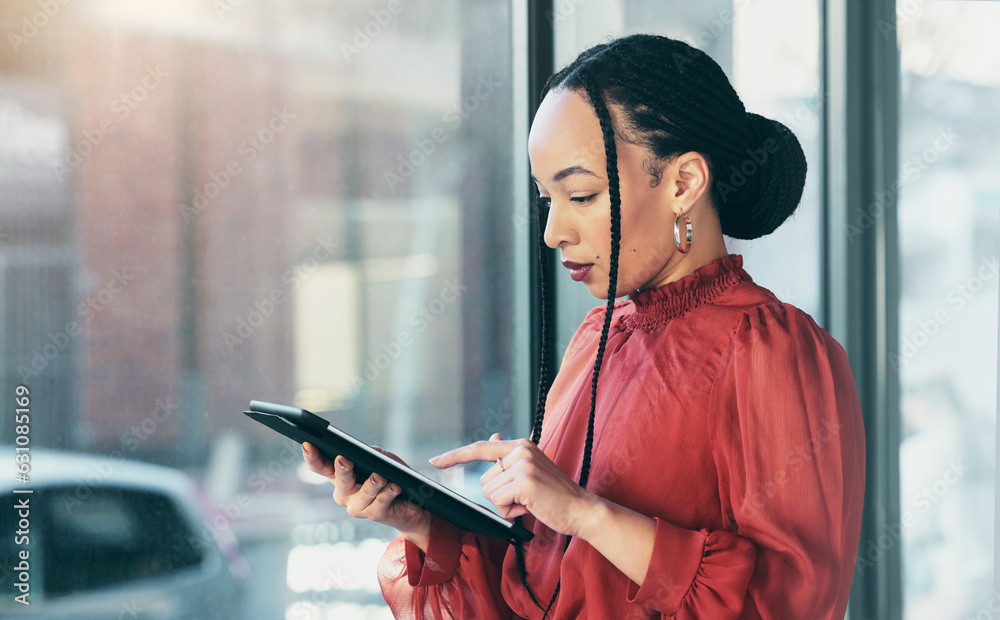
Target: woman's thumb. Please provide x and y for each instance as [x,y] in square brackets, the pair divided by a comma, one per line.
[495,437]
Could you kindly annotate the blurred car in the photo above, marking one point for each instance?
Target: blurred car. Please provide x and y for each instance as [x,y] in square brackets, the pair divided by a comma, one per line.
[115,539]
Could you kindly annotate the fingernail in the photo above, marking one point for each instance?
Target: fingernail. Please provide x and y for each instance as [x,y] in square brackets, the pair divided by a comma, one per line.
[377,480]
[394,488]
[341,466]
[434,460]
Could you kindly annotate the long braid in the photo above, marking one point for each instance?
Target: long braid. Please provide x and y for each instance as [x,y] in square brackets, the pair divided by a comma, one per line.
[614,191]
[543,384]
[544,360]
[611,155]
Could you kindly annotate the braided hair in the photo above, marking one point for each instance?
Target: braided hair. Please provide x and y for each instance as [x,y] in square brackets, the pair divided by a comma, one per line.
[671,98]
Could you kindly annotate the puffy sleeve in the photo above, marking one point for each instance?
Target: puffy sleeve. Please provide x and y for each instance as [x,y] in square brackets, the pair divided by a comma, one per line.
[788,443]
[459,577]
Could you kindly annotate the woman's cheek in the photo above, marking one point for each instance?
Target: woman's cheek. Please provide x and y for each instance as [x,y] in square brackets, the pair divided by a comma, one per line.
[630,271]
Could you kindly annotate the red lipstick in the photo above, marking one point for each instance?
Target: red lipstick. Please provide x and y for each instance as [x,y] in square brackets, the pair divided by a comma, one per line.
[578,271]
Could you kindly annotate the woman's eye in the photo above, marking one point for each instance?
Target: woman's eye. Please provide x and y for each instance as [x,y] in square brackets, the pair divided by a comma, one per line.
[546,201]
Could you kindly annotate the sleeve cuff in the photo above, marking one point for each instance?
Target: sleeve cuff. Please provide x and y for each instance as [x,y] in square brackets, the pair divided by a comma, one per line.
[444,548]
[677,555]
[688,568]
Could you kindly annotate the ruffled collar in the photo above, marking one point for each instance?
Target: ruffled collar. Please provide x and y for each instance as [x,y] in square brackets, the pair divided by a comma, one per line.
[655,307]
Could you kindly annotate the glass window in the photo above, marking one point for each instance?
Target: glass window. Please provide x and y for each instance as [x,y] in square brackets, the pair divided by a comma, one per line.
[949,239]
[306,202]
[771,81]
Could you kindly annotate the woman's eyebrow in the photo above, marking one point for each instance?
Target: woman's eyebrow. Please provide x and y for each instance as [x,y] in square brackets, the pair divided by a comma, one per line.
[565,172]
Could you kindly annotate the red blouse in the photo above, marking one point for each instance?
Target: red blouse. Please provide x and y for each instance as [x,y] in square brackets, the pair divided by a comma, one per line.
[729,417]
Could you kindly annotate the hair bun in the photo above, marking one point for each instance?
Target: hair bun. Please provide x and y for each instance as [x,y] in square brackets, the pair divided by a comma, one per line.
[778,166]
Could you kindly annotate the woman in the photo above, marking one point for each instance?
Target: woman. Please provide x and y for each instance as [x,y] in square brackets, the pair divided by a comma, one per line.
[719,470]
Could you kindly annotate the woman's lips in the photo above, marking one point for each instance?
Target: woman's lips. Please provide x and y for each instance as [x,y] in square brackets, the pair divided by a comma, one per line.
[578,271]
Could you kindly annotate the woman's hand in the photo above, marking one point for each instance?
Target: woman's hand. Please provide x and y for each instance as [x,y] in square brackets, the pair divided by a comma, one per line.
[374,499]
[529,482]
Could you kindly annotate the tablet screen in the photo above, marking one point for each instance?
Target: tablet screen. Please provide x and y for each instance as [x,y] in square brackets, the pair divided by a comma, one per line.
[303,426]
[437,486]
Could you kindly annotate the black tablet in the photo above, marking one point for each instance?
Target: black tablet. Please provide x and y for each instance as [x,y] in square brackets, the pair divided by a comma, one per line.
[303,426]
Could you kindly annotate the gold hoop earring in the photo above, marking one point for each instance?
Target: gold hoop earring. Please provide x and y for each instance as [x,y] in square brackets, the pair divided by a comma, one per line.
[677,233]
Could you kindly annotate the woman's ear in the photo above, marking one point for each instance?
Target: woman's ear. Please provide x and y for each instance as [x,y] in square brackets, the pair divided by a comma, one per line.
[691,178]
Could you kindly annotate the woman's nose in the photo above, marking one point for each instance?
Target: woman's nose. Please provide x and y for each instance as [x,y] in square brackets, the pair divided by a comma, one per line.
[558,227]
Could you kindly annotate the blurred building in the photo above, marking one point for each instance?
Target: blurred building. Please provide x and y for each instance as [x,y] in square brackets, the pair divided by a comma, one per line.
[204,207]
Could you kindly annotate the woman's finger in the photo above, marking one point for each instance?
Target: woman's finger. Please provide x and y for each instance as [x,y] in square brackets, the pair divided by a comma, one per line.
[379,507]
[316,462]
[338,471]
[358,502]
[493,471]
[515,511]
[343,479]
[501,493]
[479,451]
[344,472]
[495,480]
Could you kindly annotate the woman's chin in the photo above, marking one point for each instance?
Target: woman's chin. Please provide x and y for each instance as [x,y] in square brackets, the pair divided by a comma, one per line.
[597,289]
[600,290]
